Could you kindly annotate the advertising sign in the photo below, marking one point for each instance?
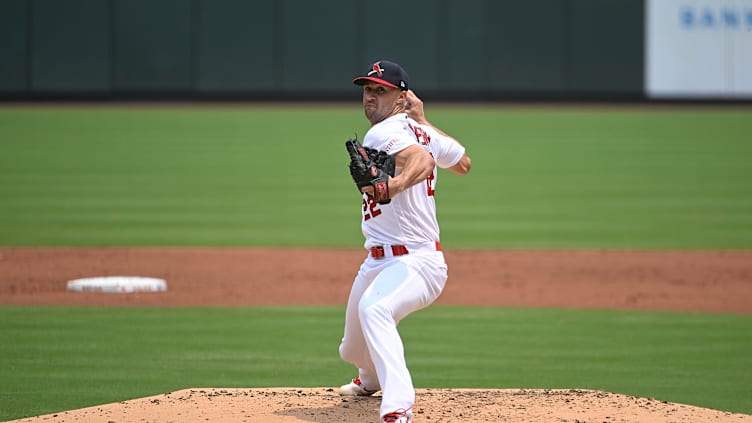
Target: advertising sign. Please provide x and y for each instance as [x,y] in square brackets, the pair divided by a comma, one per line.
[698,49]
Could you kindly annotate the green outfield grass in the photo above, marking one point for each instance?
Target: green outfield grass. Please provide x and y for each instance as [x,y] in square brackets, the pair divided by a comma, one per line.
[63,358]
[277,176]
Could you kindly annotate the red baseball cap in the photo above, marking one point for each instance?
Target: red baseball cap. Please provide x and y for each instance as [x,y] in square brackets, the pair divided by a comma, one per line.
[386,73]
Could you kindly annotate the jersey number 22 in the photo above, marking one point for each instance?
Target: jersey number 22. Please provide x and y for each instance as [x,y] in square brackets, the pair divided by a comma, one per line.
[371,207]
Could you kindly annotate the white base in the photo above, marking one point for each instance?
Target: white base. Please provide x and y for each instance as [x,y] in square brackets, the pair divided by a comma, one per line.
[118,284]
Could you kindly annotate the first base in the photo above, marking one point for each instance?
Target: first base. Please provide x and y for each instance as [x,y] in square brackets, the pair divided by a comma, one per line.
[117,284]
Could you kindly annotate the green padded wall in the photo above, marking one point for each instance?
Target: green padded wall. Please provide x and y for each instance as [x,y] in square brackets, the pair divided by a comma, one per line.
[464,42]
[525,47]
[458,49]
[14,46]
[318,45]
[235,44]
[70,46]
[606,48]
[152,46]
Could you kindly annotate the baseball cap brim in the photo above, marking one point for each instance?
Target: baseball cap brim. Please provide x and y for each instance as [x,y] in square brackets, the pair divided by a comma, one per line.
[362,80]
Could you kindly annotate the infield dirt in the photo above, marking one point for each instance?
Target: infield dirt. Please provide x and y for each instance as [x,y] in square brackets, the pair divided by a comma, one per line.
[705,281]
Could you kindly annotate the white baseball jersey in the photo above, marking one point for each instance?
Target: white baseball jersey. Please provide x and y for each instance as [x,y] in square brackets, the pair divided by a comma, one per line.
[410,218]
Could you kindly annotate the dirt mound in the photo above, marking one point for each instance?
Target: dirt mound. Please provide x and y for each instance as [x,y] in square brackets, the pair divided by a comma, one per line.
[434,405]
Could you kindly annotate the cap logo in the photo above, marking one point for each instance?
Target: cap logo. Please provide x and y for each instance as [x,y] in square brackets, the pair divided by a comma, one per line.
[376,69]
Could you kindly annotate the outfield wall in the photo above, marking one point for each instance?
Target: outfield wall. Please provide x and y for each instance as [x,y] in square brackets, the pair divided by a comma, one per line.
[297,49]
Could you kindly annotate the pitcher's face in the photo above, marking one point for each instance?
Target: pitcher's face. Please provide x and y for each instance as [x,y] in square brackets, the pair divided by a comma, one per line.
[380,101]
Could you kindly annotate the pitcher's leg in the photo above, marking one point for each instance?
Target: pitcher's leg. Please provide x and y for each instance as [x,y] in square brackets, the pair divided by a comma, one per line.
[353,348]
[400,289]
[388,355]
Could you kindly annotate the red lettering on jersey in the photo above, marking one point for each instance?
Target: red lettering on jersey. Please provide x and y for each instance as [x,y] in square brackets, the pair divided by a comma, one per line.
[390,144]
[421,135]
[429,183]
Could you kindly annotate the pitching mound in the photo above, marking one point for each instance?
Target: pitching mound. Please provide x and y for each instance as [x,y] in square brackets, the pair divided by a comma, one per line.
[434,405]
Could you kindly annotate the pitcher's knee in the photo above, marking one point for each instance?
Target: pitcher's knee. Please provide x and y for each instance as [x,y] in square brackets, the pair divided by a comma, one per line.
[346,353]
[373,314]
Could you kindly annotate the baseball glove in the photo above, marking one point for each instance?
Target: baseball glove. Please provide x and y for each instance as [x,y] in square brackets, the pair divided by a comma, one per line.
[369,167]
[382,160]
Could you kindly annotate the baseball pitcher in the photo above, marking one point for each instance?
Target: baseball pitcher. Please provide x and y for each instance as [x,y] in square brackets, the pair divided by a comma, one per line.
[395,171]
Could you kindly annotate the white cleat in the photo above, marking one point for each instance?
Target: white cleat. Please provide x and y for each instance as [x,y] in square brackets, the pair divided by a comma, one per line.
[355,389]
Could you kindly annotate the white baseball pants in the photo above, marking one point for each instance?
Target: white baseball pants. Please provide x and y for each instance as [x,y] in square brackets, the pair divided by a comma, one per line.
[384,292]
